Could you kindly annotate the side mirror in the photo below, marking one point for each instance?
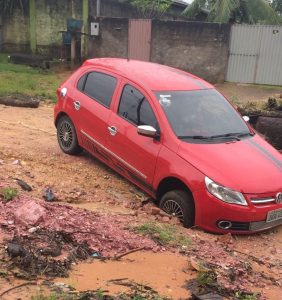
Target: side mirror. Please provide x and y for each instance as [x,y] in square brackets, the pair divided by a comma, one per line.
[246,118]
[147,130]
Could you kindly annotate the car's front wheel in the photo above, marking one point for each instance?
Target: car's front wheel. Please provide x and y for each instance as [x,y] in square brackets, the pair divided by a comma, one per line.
[67,137]
[179,204]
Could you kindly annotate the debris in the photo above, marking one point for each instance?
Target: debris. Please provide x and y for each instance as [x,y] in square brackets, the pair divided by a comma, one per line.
[33,229]
[24,185]
[14,250]
[49,195]
[198,265]
[16,162]
[18,286]
[127,253]
[30,213]
[96,254]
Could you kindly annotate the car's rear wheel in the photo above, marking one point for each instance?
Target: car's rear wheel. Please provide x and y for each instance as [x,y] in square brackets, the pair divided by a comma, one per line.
[179,204]
[67,137]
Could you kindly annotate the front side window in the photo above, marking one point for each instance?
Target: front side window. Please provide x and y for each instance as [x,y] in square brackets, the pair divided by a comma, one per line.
[98,86]
[135,108]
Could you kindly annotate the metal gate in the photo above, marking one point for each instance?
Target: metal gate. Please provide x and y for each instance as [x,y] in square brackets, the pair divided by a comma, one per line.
[255,54]
[139,39]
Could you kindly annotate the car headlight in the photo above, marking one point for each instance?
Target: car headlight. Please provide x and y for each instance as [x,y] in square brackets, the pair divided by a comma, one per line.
[225,194]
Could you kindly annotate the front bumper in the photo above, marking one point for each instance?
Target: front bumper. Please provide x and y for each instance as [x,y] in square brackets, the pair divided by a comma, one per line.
[211,213]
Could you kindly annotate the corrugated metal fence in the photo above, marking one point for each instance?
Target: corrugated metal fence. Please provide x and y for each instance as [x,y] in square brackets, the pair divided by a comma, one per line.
[255,54]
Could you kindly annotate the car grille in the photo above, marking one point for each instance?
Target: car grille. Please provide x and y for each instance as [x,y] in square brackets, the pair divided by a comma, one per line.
[264,225]
[264,200]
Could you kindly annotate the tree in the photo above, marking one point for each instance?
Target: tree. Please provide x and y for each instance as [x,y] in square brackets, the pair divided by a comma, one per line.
[277,6]
[233,11]
[152,8]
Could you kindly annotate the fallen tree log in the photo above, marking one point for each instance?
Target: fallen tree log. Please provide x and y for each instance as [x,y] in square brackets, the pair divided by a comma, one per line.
[20,101]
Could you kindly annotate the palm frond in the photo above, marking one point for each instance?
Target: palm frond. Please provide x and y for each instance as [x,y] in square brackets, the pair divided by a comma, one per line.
[262,12]
[222,10]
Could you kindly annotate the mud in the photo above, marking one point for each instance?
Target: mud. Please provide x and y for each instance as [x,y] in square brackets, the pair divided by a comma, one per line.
[29,151]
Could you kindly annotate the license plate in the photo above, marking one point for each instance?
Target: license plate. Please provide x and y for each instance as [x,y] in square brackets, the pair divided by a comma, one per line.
[274,215]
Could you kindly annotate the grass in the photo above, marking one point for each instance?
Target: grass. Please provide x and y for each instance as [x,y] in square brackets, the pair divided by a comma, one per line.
[206,279]
[163,234]
[20,79]
[8,193]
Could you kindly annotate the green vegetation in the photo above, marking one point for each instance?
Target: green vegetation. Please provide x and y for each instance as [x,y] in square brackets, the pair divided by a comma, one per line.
[8,193]
[244,296]
[277,6]
[206,279]
[233,11]
[163,234]
[152,8]
[137,292]
[20,79]
[43,297]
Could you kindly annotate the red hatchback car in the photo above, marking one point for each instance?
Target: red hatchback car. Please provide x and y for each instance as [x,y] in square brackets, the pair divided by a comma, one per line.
[176,137]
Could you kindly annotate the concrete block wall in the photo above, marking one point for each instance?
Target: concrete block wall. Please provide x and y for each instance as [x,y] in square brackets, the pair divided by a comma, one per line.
[199,48]
[51,17]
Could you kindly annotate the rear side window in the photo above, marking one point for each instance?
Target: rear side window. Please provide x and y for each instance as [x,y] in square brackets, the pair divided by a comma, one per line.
[98,86]
[135,108]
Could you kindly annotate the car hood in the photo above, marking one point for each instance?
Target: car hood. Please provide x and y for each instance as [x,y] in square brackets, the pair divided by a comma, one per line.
[249,166]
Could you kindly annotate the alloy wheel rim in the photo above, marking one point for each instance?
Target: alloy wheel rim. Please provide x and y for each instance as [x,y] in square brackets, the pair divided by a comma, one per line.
[66,135]
[172,208]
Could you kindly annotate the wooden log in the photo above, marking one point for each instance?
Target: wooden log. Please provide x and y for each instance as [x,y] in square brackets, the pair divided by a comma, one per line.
[20,102]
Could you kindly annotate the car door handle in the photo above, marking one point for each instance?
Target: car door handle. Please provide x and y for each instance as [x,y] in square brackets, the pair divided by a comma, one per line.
[76,105]
[112,130]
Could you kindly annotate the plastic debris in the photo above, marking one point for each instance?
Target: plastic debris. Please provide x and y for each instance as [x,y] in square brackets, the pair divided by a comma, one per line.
[49,196]
[24,185]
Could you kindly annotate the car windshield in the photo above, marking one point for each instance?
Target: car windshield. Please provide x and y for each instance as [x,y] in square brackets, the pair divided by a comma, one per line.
[201,114]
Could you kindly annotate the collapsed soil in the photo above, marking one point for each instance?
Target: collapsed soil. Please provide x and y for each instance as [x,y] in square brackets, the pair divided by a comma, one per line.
[29,151]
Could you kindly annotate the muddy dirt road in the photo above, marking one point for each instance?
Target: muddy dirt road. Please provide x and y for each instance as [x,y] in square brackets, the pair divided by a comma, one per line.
[29,151]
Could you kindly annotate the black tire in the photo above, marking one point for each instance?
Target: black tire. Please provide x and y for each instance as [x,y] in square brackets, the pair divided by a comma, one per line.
[67,137]
[180,204]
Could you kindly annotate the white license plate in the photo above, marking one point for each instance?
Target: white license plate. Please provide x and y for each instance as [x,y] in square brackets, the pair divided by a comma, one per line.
[274,215]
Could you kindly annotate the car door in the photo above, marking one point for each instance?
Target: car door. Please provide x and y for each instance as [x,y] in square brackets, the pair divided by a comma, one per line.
[91,110]
[134,155]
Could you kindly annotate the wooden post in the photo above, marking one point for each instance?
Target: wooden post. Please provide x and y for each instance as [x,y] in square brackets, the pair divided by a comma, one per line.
[32,25]
[84,38]
[73,38]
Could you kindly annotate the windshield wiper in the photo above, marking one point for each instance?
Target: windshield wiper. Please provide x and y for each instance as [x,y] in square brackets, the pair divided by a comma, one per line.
[232,135]
[235,135]
[194,137]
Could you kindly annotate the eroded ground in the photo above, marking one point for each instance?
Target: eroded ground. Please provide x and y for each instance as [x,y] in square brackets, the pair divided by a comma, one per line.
[29,151]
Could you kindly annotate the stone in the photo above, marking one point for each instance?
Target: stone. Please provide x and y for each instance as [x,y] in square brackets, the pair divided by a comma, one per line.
[30,213]
[155,211]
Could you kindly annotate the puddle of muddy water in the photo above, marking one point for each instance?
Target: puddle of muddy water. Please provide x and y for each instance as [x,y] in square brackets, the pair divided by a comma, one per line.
[22,293]
[164,272]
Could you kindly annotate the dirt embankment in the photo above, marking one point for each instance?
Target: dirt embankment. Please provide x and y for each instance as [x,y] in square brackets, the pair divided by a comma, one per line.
[29,151]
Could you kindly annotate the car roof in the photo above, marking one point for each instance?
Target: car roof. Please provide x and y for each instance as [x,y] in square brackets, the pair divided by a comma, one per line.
[155,76]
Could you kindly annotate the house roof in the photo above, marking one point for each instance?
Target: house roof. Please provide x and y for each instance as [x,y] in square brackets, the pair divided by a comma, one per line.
[180,2]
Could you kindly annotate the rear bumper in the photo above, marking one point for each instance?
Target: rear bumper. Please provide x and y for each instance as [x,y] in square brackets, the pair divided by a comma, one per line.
[211,213]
